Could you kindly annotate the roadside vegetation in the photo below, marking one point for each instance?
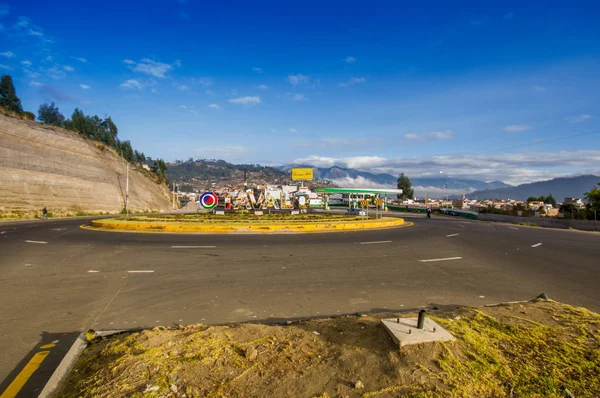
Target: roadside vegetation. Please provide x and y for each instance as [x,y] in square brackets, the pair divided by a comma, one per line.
[536,349]
[239,217]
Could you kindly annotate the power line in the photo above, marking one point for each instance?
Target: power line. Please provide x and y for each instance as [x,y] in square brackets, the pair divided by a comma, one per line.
[542,141]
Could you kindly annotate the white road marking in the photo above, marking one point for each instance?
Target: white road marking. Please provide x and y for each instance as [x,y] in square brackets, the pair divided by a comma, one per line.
[440,259]
[376,243]
[92,271]
[460,225]
[536,245]
[28,265]
[2,232]
[142,271]
[516,229]
[452,235]
[58,229]
[193,247]
[36,241]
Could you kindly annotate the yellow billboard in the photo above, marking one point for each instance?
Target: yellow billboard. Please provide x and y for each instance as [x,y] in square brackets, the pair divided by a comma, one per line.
[302,174]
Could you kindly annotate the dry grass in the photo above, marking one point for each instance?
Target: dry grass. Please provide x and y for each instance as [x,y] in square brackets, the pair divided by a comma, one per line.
[535,349]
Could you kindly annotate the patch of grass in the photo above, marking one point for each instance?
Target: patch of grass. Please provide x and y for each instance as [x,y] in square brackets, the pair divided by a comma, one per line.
[499,359]
[240,217]
[529,224]
[535,349]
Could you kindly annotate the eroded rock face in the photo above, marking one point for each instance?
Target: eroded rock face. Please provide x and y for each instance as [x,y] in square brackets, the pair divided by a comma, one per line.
[42,166]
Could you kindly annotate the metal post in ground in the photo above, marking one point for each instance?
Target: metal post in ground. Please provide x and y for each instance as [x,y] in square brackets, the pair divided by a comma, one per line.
[421,319]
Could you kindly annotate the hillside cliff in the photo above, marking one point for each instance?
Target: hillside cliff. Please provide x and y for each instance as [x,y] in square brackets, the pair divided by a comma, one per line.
[43,166]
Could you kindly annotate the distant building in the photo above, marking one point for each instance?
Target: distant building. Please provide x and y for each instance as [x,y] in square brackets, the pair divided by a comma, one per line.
[575,201]
[536,204]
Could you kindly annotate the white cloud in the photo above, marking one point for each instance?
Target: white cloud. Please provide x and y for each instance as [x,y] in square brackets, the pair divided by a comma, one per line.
[512,168]
[153,68]
[56,73]
[4,10]
[7,54]
[517,128]
[358,182]
[245,100]
[293,130]
[205,81]
[68,68]
[33,83]
[263,87]
[37,33]
[434,135]
[5,67]
[31,74]
[298,79]
[349,60]
[183,106]
[85,86]
[26,63]
[181,87]
[353,81]
[214,106]
[578,118]
[82,60]
[132,83]
[298,97]
[539,89]
[177,63]
[49,58]
[257,70]
[128,62]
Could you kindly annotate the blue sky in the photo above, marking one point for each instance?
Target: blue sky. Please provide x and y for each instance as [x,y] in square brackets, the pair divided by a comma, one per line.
[379,86]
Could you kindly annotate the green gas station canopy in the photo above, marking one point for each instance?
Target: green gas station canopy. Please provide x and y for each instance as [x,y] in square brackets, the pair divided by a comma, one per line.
[359,190]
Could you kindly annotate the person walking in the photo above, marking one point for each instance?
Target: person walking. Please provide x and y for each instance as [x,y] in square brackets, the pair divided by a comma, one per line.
[429,212]
[44,213]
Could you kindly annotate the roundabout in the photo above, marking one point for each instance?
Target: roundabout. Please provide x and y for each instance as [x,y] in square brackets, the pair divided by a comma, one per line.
[245,223]
[59,279]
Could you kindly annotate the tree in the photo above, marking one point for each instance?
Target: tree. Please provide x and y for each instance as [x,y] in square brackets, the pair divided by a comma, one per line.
[406,186]
[50,114]
[8,95]
[28,116]
[593,198]
[549,200]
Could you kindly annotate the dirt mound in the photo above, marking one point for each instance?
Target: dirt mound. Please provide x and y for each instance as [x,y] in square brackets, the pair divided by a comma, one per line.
[541,348]
[42,166]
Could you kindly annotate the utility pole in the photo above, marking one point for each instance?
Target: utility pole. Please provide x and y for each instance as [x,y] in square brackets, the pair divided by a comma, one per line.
[173,195]
[127,190]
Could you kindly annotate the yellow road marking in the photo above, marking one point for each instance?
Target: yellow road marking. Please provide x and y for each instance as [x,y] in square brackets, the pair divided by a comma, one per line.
[47,346]
[19,381]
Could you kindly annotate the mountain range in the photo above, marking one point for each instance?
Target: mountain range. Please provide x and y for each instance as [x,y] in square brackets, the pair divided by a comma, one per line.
[560,188]
[208,174]
[355,178]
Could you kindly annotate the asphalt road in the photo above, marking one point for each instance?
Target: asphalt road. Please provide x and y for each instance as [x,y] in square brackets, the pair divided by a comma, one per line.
[78,279]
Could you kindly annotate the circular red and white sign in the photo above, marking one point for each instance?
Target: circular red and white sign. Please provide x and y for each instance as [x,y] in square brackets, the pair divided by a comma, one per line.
[208,200]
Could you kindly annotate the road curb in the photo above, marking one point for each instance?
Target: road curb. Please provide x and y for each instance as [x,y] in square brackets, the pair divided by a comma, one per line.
[317,227]
[65,366]
[68,362]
